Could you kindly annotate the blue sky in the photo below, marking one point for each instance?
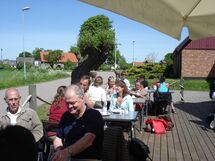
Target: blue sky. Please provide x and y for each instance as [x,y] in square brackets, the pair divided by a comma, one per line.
[55,24]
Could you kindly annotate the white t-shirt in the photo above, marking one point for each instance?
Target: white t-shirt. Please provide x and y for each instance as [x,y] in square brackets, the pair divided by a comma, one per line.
[97,94]
[13,117]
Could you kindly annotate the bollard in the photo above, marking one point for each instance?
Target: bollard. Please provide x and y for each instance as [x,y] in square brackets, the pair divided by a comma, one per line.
[32,91]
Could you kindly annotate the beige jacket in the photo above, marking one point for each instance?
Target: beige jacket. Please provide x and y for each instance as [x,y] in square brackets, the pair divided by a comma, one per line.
[27,118]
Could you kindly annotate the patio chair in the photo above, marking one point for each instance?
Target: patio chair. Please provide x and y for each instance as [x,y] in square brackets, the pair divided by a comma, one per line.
[162,102]
[115,147]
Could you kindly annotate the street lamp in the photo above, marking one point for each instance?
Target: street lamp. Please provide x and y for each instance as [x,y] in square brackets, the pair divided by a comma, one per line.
[115,57]
[23,38]
[1,55]
[133,51]
[115,65]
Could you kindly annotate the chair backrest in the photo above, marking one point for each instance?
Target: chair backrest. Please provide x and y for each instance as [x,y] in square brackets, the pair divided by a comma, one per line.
[164,96]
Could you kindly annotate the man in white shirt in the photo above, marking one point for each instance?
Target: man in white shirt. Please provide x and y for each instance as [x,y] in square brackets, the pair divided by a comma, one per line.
[17,115]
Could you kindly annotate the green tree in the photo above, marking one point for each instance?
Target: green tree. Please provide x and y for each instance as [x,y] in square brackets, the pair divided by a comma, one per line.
[168,59]
[53,57]
[69,65]
[36,53]
[96,42]
[27,54]
[121,61]
[96,33]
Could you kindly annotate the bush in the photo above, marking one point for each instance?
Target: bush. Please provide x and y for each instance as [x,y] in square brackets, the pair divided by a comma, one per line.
[149,70]
[104,67]
[69,65]
[6,67]
[20,65]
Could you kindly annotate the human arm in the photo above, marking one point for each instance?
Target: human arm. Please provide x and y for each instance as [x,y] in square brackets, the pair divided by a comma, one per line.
[130,103]
[113,102]
[88,101]
[37,126]
[167,85]
[104,98]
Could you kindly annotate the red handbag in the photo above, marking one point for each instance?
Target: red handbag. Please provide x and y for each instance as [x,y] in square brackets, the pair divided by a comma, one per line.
[158,126]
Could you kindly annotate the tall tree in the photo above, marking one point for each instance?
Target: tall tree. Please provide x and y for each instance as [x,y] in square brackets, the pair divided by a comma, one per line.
[27,54]
[53,57]
[168,58]
[96,41]
[36,53]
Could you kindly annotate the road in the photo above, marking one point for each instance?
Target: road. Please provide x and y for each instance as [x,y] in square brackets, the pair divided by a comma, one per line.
[47,91]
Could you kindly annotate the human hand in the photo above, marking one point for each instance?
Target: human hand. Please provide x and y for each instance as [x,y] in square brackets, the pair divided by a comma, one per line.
[61,155]
[119,100]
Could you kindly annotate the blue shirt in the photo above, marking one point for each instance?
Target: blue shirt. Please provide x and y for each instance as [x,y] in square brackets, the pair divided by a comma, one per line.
[163,87]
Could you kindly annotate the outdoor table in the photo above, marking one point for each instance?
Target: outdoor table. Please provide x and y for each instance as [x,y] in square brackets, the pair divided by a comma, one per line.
[128,119]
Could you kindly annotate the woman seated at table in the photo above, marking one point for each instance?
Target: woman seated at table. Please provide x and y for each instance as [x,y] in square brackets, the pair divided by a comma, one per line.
[162,86]
[121,100]
[57,109]
[110,89]
[139,91]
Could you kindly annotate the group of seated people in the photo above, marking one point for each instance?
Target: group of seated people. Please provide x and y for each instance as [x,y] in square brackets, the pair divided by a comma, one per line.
[80,130]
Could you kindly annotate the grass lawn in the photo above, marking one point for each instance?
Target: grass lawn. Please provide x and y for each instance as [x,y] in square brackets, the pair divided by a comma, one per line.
[43,111]
[14,78]
[189,84]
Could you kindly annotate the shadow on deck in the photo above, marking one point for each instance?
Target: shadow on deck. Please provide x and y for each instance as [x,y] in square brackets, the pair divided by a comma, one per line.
[191,139]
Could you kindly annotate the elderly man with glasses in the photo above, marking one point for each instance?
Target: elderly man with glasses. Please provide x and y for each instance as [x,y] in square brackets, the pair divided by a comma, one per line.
[81,129]
[17,115]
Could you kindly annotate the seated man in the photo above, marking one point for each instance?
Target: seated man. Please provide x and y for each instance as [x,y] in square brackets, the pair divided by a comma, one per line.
[85,84]
[17,115]
[81,129]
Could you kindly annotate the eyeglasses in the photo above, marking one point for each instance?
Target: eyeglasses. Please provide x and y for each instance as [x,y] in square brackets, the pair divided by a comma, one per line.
[71,103]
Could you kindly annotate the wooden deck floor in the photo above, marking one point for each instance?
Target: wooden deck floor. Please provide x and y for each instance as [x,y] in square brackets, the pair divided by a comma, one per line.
[190,140]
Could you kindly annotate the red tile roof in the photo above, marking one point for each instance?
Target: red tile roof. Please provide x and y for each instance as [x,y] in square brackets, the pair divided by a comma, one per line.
[138,63]
[65,57]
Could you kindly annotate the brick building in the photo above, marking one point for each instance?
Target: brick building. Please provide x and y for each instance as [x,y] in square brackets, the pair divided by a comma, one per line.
[195,59]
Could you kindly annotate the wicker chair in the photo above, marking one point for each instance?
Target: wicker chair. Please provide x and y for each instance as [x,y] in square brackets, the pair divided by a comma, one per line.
[115,147]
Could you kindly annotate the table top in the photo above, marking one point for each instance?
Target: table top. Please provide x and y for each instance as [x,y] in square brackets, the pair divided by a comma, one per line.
[130,116]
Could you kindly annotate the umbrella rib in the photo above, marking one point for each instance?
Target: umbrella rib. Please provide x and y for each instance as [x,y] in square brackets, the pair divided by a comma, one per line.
[191,10]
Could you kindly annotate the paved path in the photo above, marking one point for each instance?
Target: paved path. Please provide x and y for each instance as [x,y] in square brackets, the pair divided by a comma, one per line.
[47,91]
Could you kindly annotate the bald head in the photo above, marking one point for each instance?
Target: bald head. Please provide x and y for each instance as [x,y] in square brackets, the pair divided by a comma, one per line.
[74,99]
[11,91]
[12,98]
[76,89]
